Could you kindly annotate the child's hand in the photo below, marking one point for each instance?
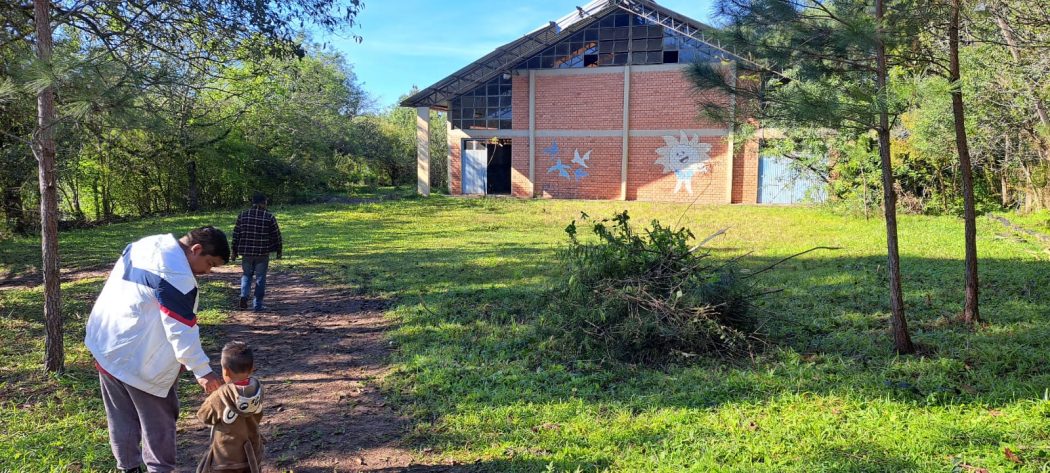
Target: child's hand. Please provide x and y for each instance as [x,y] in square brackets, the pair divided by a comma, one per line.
[210,383]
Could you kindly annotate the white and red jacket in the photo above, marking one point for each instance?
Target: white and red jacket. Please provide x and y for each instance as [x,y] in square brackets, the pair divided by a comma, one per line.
[143,327]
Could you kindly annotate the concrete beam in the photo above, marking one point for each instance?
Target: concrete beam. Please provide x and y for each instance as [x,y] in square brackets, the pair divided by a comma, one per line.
[730,155]
[626,130]
[423,151]
[532,131]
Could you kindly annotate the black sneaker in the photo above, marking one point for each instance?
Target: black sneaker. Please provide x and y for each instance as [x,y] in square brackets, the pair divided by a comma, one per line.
[244,303]
[137,469]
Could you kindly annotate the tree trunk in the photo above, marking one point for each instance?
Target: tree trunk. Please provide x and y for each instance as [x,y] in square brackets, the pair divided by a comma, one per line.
[971,309]
[193,193]
[1003,178]
[44,150]
[901,338]
[1015,52]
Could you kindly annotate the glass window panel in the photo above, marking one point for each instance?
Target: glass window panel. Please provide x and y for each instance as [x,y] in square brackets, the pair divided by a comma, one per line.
[654,31]
[590,60]
[608,21]
[607,33]
[619,59]
[493,89]
[622,19]
[467,113]
[670,57]
[654,44]
[590,34]
[639,32]
[505,125]
[493,101]
[638,45]
[605,47]
[654,57]
[479,113]
[620,47]
[562,49]
[638,58]
[577,37]
[621,33]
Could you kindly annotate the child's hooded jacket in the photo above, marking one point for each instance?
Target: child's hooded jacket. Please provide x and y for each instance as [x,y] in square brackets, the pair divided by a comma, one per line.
[233,412]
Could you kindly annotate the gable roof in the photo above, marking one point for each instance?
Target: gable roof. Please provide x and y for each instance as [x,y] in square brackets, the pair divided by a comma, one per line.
[505,57]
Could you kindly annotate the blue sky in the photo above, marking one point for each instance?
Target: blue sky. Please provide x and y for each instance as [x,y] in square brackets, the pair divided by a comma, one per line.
[419,42]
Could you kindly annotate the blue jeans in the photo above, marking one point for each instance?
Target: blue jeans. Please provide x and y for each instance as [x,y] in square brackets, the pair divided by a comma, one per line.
[254,266]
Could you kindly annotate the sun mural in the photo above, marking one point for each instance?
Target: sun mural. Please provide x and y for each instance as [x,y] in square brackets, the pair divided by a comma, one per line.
[686,157]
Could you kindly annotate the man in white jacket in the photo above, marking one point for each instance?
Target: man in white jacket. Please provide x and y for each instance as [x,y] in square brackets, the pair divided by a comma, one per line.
[142,332]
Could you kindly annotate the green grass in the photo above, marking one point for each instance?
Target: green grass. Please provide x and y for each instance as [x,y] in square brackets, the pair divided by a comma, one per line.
[471,369]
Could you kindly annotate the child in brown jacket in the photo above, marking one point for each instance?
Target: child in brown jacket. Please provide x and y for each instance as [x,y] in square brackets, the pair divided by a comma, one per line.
[233,412]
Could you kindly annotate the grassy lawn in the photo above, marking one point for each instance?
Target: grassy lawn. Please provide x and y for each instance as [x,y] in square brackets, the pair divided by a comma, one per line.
[473,371]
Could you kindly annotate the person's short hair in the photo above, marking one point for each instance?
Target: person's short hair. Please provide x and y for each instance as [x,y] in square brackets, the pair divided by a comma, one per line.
[237,357]
[259,198]
[212,240]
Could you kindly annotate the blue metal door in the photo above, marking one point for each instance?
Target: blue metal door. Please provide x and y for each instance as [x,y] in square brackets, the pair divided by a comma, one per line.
[780,183]
[475,167]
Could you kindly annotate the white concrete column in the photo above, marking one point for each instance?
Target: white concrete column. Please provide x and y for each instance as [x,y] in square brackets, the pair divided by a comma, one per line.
[729,140]
[532,131]
[626,129]
[423,151]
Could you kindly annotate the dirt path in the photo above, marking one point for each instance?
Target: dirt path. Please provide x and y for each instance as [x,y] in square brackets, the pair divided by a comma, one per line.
[320,352]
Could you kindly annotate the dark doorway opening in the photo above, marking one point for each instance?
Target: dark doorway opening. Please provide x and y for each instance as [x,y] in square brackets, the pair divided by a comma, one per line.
[499,168]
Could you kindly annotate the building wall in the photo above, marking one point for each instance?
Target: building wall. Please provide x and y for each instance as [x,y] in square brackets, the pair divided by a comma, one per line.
[582,112]
[455,145]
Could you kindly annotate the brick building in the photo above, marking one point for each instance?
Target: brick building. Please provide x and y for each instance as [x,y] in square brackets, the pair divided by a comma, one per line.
[592,106]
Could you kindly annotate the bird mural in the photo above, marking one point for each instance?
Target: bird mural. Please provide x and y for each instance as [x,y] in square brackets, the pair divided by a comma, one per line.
[581,160]
[561,169]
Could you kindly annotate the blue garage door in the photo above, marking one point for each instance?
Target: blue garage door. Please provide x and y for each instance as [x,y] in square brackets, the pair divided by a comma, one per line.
[780,183]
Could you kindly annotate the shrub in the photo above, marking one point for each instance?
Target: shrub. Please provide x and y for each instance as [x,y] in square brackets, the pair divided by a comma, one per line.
[648,297]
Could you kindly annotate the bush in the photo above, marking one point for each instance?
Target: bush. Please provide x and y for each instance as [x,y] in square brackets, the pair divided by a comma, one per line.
[648,297]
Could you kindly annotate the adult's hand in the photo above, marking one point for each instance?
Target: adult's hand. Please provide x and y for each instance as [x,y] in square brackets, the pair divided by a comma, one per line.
[210,382]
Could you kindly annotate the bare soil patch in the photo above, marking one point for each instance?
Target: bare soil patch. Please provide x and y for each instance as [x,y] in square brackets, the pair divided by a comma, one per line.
[320,353]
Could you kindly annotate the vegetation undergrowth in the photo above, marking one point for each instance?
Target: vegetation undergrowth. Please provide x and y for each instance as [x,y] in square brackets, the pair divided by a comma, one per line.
[473,374]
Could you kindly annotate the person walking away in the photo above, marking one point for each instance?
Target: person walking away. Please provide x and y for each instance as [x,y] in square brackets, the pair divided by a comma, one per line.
[141,332]
[255,236]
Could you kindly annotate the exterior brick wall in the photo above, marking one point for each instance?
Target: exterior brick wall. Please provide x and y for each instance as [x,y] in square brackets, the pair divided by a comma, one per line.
[586,110]
[662,100]
[519,172]
[455,186]
[647,180]
[745,174]
[577,102]
[602,179]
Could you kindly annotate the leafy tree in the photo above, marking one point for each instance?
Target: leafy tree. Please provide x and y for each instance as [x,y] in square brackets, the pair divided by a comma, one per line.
[133,34]
[836,57]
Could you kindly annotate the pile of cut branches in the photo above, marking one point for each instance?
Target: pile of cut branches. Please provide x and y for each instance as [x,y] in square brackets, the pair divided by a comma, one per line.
[649,296]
